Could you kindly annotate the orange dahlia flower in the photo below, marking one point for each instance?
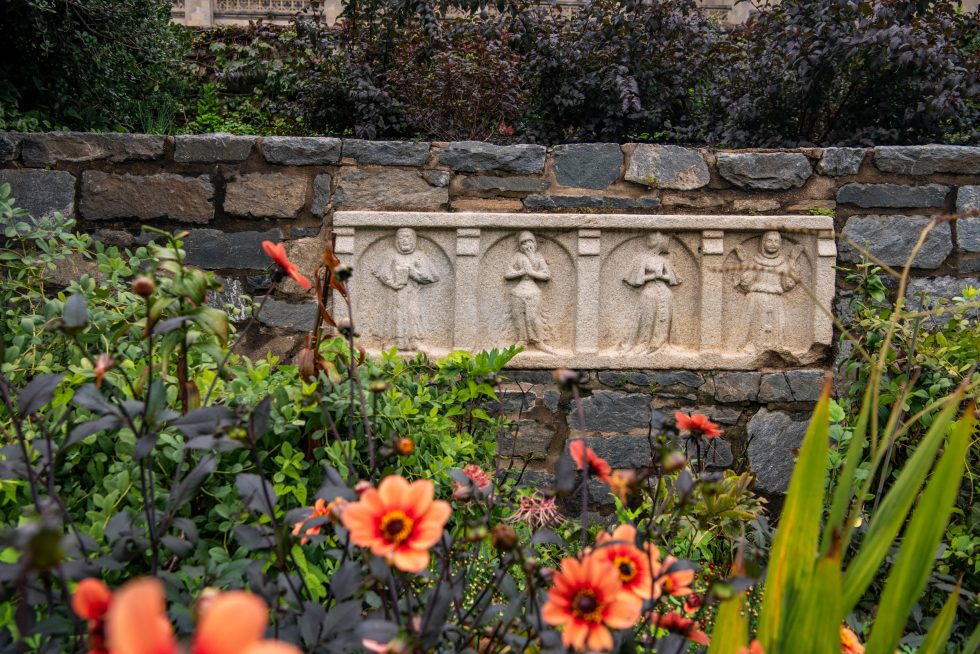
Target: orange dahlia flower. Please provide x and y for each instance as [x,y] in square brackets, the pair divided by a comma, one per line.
[91,602]
[137,623]
[587,600]
[277,252]
[585,456]
[672,582]
[697,423]
[399,521]
[678,624]
[319,509]
[630,562]
[849,643]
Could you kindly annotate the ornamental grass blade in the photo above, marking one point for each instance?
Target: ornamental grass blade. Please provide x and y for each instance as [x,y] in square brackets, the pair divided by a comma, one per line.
[938,634]
[890,516]
[816,617]
[731,630]
[921,539]
[794,548]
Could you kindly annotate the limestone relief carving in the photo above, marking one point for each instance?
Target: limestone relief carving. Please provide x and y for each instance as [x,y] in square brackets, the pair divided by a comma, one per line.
[405,270]
[768,275]
[528,268]
[653,276]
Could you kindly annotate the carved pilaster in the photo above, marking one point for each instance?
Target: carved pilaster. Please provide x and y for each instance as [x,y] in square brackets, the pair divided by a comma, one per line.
[587,271]
[712,288]
[823,326]
[467,289]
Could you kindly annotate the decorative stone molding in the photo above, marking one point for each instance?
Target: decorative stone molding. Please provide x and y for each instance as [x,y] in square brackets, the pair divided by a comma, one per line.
[605,291]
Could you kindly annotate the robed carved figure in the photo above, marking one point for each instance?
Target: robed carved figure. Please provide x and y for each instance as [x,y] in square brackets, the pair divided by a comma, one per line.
[529,268]
[405,271]
[767,276]
[652,274]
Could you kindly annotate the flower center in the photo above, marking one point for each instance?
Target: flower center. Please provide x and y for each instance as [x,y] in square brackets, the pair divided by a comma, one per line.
[586,607]
[627,569]
[396,527]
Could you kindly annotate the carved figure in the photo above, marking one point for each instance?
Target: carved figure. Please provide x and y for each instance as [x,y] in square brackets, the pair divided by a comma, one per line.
[770,274]
[405,272]
[525,298]
[653,274]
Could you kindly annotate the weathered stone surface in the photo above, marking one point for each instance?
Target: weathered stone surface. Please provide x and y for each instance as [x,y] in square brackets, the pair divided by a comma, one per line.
[697,202]
[716,452]
[623,451]
[613,411]
[265,195]
[300,150]
[768,171]
[773,435]
[41,192]
[551,399]
[893,195]
[513,402]
[928,159]
[806,385]
[487,205]
[774,388]
[532,440]
[724,415]
[737,386]
[754,205]
[838,162]
[71,269]
[46,149]
[231,297]
[891,239]
[483,183]
[106,196]
[530,376]
[321,195]
[117,237]
[587,165]
[211,148]
[392,189]
[928,293]
[651,378]
[479,157]
[216,249]
[9,146]
[968,229]
[284,315]
[387,153]
[307,254]
[438,178]
[538,201]
[667,166]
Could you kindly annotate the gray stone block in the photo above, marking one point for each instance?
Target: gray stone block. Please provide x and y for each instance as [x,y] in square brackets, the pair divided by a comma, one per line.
[391,188]
[891,239]
[651,378]
[724,415]
[296,317]
[387,153]
[838,162]
[9,146]
[928,159]
[893,195]
[806,385]
[668,166]
[231,297]
[775,388]
[612,411]
[551,399]
[47,149]
[482,183]
[514,402]
[167,196]
[438,178]
[300,150]
[533,439]
[773,435]
[479,157]
[212,148]
[968,229]
[41,192]
[623,451]
[767,171]
[265,195]
[716,452]
[930,292]
[737,386]
[321,195]
[538,201]
[216,249]
[529,376]
[587,165]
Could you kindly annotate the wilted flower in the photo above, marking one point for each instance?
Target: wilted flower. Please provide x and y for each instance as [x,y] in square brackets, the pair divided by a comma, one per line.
[537,511]
[621,483]
[398,520]
[678,624]
[103,364]
[672,582]
[585,456]
[277,252]
[587,601]
[849,643]
[479,477]
[630,562]
[696,424]
[503,537]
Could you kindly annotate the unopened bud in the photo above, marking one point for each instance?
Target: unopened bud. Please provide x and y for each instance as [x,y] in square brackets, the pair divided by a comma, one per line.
[343,272]
[103,364]
[476,533]
[362,486]
[306,364]
[674,461]
[404,446]
[566,377]
[144,286]
[503,537]
[378,386]
[531,564]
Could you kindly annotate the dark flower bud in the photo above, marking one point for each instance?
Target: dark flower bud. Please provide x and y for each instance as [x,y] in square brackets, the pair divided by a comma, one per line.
[503,537]
[144,286]
[306,364]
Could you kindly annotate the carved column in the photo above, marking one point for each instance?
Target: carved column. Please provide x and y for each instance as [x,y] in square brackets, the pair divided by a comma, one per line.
[823,326]
[587,272]
[467,263]
[343,247]
[712,288]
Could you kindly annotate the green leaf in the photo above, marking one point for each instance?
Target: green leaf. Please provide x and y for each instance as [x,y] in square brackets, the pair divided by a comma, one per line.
[816,618]
[909,575]
[939,631]
[845,483]
[888,520]
[795,545]
[731,630]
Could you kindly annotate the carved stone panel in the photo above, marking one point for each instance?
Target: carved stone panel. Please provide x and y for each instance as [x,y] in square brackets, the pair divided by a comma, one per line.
[593,291]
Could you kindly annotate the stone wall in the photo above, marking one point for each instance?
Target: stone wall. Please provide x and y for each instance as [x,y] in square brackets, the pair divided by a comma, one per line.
[232,192]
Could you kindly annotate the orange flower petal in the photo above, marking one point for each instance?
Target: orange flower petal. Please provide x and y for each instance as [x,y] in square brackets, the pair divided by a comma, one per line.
[409,560]
[624,612]
[137,620]
[299,278]
[600,640]
[394,488]
[234,621]
[575,635]
[91,599]
[272,647]
[418,497]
